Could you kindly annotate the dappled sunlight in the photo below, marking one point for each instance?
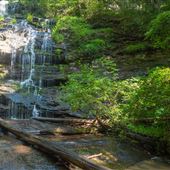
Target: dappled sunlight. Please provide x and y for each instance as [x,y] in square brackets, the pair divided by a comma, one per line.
[5,89]
[3,71]
[21,149]
[104,158]
[10,40]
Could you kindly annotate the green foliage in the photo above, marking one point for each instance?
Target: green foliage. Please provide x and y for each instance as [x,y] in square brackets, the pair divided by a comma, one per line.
[152,98]
[95,91]
[92,47]
[30,18]
[80,37]
[13,21]
[72,29]
[79,23]
[2,72]
[135,48]
[159,32]
[106,66]
[1,18]
[91,92]
[153,131]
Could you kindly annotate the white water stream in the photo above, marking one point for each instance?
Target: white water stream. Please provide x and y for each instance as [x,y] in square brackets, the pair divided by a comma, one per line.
[23,41]
[3,7]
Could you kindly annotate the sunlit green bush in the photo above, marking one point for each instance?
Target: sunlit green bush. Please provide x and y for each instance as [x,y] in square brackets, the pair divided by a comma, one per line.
[1,18]
[159,32]
[72,29]
[91,92]
[13,21]
[30,18]
[92,47]
[152,99]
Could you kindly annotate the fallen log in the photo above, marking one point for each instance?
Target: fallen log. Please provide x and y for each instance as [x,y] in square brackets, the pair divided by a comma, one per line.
[52,149]
[94,156]
[64,131]
[65,120]
[71,131]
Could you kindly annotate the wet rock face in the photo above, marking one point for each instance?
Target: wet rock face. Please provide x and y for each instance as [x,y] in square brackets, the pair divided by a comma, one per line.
[11,37]
[20,105]
[3,106]
[138,65]
[5,58]
[30,57]
[3,100]
[14,7]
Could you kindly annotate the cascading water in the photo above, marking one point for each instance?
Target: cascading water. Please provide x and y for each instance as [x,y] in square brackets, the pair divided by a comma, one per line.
[35,112]
[13,48]
[13,7]
[13,58]
[3,7]
[44,47]
[28,59]
[30,52]
[43,56]
[29,56]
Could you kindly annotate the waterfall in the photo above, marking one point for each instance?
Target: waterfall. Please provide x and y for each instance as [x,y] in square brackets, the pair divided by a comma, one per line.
[35,112]
[29,54]
[13,58]
[13,7]
[12,111]
[13,50]
[3,7]
[28,46]
[44,47]
[28,60]
[43,55]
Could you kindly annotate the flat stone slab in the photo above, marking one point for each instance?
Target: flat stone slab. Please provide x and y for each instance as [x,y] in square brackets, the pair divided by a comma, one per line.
[29,125]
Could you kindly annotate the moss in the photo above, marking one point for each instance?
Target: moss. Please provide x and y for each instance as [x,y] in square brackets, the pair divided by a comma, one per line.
[153,131]
[30,18]
[136,48]
[92,47]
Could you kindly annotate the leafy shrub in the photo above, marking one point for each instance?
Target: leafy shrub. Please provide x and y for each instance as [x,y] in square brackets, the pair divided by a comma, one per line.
[13,21]
[1,18]
[91,92]
[95,91]
[30,18]
[82,40]
[159,32]
[135,48]
[105,66]
[152,98]
[92,47]
[70,28]
[154,130]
